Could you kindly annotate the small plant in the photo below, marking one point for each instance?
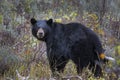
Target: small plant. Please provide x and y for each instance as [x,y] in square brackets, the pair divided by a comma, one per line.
[8,60]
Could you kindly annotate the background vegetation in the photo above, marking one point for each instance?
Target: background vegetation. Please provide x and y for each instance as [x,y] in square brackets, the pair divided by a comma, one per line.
[22,56]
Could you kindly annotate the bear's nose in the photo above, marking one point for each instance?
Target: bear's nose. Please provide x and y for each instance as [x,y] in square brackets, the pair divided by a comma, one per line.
[40,33]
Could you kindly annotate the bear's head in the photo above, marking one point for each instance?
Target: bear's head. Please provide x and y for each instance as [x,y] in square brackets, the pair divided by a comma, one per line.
[41,28]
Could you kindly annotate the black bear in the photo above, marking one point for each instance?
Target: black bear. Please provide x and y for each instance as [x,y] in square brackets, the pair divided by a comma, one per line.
[72,41]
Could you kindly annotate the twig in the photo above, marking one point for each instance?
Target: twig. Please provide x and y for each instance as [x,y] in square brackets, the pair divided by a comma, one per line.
[22,77]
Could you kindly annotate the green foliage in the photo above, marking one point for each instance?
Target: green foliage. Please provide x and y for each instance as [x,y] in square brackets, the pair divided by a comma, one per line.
[6,54]
[8,60]
[118,61]
[117,49]
[27,6]
[1,18]
[117,53]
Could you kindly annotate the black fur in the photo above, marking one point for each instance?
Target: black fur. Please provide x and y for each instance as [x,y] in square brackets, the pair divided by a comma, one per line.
[69,41]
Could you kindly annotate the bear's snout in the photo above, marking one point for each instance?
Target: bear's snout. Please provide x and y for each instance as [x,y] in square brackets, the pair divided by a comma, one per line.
[40,33]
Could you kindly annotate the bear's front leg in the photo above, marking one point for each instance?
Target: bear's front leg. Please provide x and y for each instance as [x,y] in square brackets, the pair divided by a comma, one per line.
[57,65]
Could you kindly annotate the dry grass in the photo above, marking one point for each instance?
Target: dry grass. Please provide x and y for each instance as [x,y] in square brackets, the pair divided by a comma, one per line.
[40,71]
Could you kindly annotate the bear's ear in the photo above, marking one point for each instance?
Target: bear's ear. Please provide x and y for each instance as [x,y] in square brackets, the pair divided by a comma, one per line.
[33,21]
[50,21]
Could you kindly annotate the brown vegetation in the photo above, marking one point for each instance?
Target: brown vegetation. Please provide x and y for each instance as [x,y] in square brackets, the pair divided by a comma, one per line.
[21,55]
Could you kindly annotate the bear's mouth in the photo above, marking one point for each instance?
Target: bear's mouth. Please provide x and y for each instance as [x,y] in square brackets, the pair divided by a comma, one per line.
[40,33]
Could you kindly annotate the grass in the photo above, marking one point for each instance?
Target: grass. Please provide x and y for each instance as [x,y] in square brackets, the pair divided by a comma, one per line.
[40,71]
[31,69]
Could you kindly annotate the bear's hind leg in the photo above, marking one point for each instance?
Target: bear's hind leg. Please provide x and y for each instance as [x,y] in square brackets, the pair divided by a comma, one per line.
[98,71]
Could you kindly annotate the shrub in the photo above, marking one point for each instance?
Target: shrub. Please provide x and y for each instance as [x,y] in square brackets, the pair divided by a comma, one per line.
[7,60]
